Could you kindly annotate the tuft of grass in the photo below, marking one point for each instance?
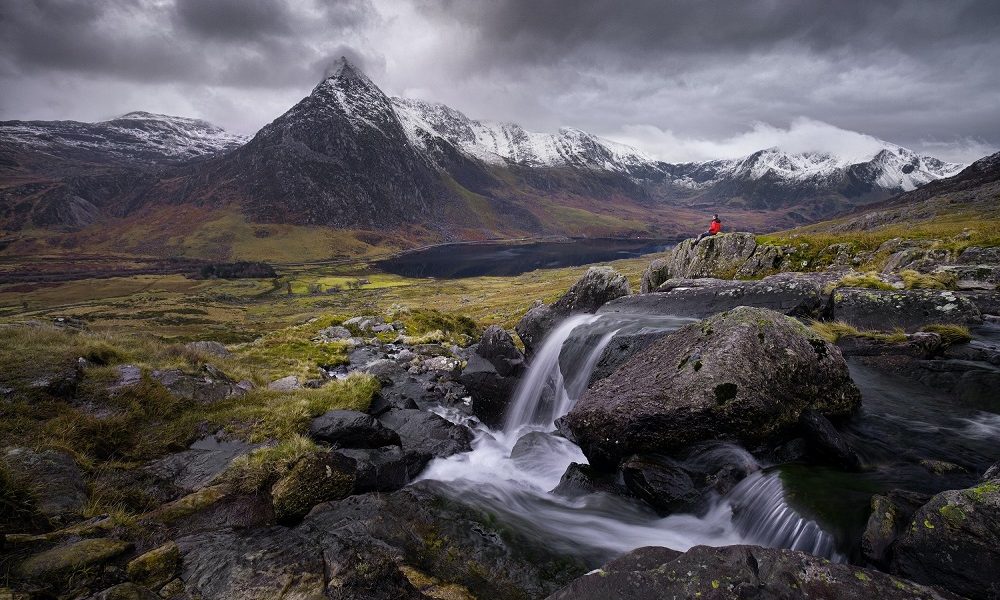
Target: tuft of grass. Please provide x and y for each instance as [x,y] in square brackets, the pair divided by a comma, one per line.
[261,468]
[430,323]
[869,280]
[933,281]
[951,334]
[832,331]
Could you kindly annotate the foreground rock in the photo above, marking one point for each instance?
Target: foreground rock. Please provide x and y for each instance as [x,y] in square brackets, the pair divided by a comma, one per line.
[597,287]
[492,373]
[53,479]
[352,429]
[315,478]
[954,541]
[427,433]
[744,375]
[736,572]
[795,294]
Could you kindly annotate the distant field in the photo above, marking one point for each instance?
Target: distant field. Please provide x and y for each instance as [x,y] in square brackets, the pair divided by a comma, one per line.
[175,307]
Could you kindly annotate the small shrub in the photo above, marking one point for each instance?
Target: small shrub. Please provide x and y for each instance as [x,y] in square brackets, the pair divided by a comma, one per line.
[913,280]
[950,334]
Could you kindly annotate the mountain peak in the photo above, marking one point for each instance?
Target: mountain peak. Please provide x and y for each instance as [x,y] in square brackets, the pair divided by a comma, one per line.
[344,70]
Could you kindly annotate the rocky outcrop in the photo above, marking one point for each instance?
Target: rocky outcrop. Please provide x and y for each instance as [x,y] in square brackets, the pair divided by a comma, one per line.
[891,513]
[384,469]
[744,375]
[718,256]
[953,541]
[200,464]
[207,387]
[598,286]
[796,294]
[491,375]
[909,309]
[737,572]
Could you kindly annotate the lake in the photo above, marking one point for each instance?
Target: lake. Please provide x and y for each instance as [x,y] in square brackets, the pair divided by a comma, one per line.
[452,261]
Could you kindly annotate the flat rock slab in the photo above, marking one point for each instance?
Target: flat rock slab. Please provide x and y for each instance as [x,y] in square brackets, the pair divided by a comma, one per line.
[55,480]
[200,464]
[908,309]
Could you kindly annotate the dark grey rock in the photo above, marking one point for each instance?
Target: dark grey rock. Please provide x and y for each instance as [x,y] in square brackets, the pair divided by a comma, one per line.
[53,479]
[738,572]
[427,433]
[908,309]
[208,387]
[384,469]
[661,483]
[891,514]
[581,479]
[721,255]
[744,375]
[199,465]
[207,347]
[825,442]
[352,429]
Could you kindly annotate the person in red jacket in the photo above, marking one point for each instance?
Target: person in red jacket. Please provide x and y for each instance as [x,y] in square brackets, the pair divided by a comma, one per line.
[713,229]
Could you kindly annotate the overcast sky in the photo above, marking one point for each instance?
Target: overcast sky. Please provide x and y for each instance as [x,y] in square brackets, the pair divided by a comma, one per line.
[681,79]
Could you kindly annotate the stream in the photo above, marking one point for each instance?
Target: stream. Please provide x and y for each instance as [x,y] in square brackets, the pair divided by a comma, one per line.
[820,510]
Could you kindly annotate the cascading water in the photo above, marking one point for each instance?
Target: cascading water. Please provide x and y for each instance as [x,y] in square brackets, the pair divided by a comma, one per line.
[511,472]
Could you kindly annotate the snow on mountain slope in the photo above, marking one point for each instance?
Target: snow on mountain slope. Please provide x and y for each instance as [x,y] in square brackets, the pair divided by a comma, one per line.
[501,143]
[139,136]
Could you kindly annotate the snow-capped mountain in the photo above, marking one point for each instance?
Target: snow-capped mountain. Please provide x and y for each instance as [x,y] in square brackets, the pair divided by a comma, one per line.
[133,137]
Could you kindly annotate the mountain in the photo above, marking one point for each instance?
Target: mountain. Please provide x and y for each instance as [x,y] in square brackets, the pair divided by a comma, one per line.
[403,171]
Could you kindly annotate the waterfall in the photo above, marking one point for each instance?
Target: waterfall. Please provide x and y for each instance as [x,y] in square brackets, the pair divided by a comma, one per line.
[600,526]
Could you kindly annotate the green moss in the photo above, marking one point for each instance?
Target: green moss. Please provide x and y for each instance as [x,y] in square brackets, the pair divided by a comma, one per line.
[980,492]
[928,524]
[952,513]
[156,567]
[860,576]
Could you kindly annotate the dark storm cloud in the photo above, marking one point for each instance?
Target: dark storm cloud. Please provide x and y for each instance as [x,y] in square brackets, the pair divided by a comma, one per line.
[680,78]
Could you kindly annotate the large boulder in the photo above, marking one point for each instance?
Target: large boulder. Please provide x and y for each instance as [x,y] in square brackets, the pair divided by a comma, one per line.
[452,540]
[908,309]
[427,433]
[737,572]
[795,294]
[660,482]
[719,256]
[891,514]
[315,478]
[953,541]
[744,375]
[352,429]
[598,286]
[52,478]
[385,469]
[492,373]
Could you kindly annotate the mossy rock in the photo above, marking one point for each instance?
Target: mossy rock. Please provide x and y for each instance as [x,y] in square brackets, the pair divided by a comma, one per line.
[315,478]
[156,567]
[126,591]
[62,561]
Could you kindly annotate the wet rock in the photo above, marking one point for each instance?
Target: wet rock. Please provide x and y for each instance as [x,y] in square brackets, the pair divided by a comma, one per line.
[126,591]
[384,469]
[207,347]
[825,442]
[424,522]
[738,572]
[62,561]
[661,483]
[917,345]
[443,364]
[285,384]
[953,542]
[491,375]
[582,479]
[53,479]
[621,348]
[744,375]
[908,309]
[209,509]
[941,467]
[891,513]
[598,286]
[315,478]
[794,294]
[201,464]
[262,564]
[385,369]
[352,429]
[427,433]
[156,567]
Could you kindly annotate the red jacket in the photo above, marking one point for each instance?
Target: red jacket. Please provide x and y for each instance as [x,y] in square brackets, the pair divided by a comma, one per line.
[715,227]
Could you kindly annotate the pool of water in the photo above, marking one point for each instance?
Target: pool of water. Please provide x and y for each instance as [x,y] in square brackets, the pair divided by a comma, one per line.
[452,261]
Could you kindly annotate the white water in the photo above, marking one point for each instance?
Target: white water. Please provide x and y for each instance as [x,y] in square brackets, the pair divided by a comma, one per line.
[599,526]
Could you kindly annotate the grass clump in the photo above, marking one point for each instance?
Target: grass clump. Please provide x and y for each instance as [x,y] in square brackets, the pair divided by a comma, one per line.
[261,468]
[950,333]
[432,324]
[913,280]
[869,280]
[832,331]
[291,352]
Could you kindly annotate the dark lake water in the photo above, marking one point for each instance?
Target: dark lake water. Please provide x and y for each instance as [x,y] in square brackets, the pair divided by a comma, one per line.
[472,260]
